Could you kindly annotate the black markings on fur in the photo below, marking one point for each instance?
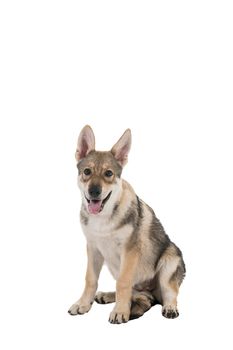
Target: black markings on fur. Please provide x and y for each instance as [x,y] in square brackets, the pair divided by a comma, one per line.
[162,242]
[158,237]
[182,268]
[139,207]
[133,215]
[179,274]
[130,217]
[115,209]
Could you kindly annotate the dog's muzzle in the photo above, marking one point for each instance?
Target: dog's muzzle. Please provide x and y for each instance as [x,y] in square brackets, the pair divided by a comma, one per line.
[95,206]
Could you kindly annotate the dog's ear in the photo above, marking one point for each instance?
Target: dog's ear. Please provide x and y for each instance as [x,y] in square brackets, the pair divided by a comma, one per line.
[121,149]
[86,143]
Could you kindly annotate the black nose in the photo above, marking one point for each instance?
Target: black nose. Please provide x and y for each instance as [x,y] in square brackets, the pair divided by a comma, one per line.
[94,191]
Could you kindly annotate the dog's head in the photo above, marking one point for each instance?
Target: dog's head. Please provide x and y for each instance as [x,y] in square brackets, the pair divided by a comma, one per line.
[100,172]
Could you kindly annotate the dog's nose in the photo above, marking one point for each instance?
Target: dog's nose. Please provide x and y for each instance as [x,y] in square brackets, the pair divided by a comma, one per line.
[95,191]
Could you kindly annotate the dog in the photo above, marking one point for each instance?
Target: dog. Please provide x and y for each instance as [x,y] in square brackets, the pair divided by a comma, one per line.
[123,232]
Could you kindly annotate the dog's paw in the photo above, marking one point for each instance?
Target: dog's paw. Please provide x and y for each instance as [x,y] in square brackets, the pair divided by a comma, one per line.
[170,311]
[105,298]
[119,317]
[79,309]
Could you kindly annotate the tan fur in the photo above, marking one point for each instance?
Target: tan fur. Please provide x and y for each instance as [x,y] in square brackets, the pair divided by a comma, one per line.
[125,234]
[94,265]
[124,286]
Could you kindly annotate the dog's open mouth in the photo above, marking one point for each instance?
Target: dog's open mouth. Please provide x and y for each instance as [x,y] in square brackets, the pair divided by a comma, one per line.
[95,206]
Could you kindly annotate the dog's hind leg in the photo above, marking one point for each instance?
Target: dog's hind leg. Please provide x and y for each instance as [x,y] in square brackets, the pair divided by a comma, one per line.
[170,277]
[169,295]
[141,302]
[105,298]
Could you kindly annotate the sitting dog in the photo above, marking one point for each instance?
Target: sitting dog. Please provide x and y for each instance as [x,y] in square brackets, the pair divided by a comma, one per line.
[123,232]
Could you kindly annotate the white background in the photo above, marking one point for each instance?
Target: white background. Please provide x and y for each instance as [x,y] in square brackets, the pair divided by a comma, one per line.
[162,68]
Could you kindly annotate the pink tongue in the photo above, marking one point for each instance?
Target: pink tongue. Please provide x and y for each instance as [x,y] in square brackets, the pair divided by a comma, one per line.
[94,207]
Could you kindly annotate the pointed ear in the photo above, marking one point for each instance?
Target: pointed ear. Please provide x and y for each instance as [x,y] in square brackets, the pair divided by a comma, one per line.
[121,149]
[86,143]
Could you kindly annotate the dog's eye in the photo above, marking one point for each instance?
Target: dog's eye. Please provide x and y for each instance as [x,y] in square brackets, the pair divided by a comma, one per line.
[87,171]
[108,173]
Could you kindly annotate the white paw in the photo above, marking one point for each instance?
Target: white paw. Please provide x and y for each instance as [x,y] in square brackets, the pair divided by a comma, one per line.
[118,317]
[79,308]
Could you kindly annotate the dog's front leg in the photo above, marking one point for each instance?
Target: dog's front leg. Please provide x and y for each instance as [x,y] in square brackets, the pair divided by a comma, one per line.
[94,265]
[124,285]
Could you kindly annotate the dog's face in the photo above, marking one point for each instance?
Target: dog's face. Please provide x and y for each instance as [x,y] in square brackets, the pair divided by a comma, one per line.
[100,172]
[99,176]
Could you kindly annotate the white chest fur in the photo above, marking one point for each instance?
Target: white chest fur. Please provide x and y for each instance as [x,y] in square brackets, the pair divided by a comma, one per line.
[109,241]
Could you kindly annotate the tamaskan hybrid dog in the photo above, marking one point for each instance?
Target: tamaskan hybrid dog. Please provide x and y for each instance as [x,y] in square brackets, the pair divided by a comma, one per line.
[123,232]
